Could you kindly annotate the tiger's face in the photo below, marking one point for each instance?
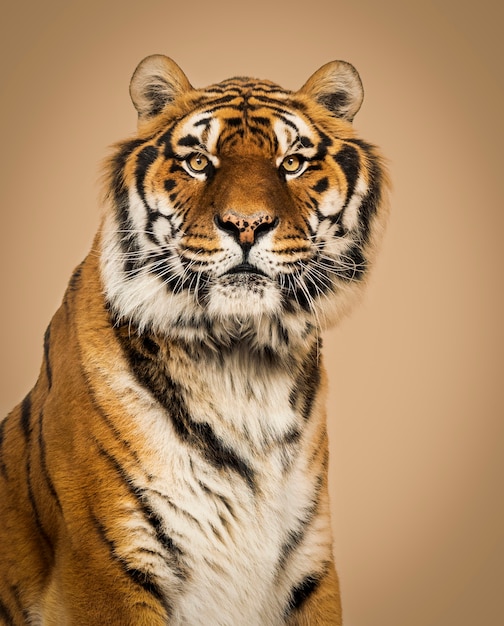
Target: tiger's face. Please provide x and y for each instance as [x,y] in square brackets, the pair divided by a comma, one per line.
[242,208]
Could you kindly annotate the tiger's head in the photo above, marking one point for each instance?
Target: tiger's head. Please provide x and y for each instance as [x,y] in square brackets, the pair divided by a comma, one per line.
[241,210]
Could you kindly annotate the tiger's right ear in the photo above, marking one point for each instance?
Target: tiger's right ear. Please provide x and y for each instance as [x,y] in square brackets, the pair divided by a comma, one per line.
[155,83]
[338,87]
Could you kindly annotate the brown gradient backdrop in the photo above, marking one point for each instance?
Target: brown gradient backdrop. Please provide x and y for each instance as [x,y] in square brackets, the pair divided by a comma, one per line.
[416,404]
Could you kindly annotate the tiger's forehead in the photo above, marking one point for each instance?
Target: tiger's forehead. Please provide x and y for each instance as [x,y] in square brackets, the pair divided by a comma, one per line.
[245,115]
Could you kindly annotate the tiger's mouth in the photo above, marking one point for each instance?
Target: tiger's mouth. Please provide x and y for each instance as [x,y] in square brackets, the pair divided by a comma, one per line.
[246,268]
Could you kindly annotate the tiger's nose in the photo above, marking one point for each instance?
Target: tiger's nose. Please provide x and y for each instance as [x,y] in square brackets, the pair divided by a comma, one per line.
[246,229]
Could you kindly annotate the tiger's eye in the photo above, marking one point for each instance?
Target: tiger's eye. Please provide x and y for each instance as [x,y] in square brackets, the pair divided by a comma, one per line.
[197,162]
[292,164]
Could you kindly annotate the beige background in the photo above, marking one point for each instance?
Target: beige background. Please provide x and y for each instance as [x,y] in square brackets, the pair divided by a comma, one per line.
[416,404]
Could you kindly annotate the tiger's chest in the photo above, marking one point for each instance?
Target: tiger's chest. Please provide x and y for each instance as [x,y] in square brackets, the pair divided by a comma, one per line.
[223,488]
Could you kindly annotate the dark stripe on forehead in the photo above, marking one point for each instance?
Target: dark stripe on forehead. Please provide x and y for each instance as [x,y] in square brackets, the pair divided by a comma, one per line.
[224,100]
[241,83]
[222,88]
[204,122]
[240,101]
[189,141]
[234,122]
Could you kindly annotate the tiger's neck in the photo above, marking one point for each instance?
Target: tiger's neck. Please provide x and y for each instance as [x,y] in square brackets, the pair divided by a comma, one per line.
[233,394]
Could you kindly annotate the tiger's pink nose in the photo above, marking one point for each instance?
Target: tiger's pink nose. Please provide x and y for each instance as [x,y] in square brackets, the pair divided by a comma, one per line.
[246,228]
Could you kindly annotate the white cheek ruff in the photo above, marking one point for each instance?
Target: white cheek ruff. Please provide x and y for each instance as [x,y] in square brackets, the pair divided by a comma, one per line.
[351,214]
[332,203]
[141,297]
[232,305]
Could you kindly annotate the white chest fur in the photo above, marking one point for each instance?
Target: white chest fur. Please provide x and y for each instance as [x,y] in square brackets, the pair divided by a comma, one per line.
[226,527]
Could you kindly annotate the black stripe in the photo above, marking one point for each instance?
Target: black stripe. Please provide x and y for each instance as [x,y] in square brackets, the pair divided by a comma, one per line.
[173,506]
[190,141]
[146,581]
[295,537]
[349,160]
[152,372]
[302,591]
[144,159]
[353,265]
[165,540]
[28,467]
[25,419]
[33,504]
[175,283]
[138,577]
[204,122]
[115,432]
[202,436]
[6,615]
[372,199]
[307,384]
[43,462]
[214,495]
[264,138]
[117,165]
[164,141]
[298,293]
[170,184]
[322,185]
[149,514]
[47,360]
[3,467]
[120,194]
[75,278]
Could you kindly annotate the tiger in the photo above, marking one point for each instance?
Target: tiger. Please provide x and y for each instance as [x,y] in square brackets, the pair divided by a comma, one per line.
[170,465]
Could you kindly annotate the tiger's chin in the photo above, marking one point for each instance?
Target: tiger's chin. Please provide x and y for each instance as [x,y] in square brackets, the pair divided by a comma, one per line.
[243,295]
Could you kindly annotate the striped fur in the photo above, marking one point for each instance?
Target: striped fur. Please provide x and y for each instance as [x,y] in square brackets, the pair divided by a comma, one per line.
[170,464]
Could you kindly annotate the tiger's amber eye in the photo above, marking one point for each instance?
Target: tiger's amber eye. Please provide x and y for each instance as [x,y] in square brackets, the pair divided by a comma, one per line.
[197,162]
[292,164]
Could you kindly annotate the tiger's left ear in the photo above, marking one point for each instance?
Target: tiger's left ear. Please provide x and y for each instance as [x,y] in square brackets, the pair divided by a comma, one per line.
[156,82]
[338,87]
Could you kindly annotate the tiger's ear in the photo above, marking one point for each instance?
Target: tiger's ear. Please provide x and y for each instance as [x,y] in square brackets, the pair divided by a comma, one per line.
[338,87]
[155,83]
